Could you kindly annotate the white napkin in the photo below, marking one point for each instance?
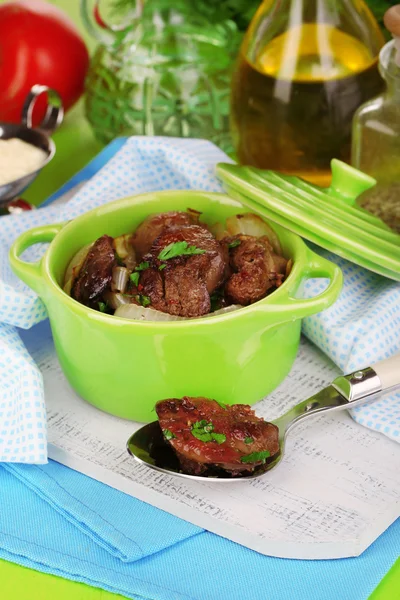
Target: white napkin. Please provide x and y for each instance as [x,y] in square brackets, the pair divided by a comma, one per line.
[368,309]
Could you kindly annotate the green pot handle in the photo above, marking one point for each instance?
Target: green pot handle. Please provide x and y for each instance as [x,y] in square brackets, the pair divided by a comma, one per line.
[31,273]
[299,308]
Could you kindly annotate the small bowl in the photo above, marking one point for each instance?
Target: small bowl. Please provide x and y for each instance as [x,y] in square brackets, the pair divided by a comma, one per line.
[123,367]
[39,137]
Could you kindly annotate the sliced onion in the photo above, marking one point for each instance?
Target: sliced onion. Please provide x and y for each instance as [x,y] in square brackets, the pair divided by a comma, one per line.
[226,309]
[74,267]
[250,224]
[139,313]
[195,214]
[125,251]
[219,231]
[289,266]
[120,276]
[115,300]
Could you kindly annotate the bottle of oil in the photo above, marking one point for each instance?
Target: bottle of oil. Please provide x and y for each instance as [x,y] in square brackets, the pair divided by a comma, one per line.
[304,68]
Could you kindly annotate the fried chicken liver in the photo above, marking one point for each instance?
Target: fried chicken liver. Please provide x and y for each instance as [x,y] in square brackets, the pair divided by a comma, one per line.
[181,284]
[96,272]
[206,434]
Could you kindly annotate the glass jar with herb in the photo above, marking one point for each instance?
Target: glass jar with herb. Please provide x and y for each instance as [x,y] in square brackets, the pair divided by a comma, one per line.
[162,67]
[376,133]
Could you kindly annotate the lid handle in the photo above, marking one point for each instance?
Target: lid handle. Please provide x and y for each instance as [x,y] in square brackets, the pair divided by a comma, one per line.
[347,182]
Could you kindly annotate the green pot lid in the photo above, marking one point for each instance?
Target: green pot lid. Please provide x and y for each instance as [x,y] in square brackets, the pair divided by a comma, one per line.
[328,217]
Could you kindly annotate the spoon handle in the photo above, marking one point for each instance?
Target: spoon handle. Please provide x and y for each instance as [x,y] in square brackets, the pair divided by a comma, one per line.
[347,391]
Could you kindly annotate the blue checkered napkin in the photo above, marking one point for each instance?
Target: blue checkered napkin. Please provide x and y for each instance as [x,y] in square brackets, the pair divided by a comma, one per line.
[362,327]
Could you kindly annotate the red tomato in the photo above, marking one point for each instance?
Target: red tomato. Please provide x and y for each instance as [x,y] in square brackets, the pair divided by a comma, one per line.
[38,44]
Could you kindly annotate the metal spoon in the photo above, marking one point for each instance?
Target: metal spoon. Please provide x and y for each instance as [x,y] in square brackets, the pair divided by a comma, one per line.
[148,446]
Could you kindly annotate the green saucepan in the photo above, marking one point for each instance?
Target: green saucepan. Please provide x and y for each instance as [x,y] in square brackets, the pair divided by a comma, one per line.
[123,367]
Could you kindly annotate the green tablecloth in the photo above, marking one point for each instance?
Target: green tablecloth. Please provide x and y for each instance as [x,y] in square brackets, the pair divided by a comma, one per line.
[75,147]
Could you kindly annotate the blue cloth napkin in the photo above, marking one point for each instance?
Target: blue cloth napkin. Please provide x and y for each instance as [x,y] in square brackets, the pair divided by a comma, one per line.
[362,327]
[56,520]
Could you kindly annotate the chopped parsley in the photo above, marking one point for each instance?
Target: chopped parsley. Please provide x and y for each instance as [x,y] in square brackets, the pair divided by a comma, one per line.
[134,277]
[201,435]
[179,249]
[203,431]
[142,266]
[234,244]
[248,440]
[161,267]
[143,300]
[168,434]
[216,300]
[103,306]
[220,438]
[255,457]
[221,404]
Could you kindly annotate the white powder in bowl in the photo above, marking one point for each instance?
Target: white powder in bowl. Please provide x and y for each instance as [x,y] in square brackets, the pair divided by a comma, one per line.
[18,158]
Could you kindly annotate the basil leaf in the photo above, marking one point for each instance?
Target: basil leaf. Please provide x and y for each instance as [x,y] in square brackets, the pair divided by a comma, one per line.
[168,434]
[255,457]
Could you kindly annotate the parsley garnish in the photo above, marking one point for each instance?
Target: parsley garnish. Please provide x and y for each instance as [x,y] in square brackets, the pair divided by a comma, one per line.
[216,300]
[142,266]
[200,424]
[201,435]
[143,300]
[220,438]
[168,434]
[234,244]
[248,440]
[134,277]
[222,405]
[179,249]
[161,267]
[102,307]
[255,457]
[203,431]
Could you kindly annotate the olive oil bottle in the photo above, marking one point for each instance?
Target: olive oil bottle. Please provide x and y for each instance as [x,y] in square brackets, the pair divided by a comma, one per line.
[304,68]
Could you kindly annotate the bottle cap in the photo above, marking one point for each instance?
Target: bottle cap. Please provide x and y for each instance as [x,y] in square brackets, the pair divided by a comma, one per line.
[392,24]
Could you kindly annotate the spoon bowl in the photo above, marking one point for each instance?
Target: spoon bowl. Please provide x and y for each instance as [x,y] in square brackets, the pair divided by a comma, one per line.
[38,137]
[149,447]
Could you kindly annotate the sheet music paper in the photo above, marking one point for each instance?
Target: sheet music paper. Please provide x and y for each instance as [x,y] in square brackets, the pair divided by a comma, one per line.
[336,490]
